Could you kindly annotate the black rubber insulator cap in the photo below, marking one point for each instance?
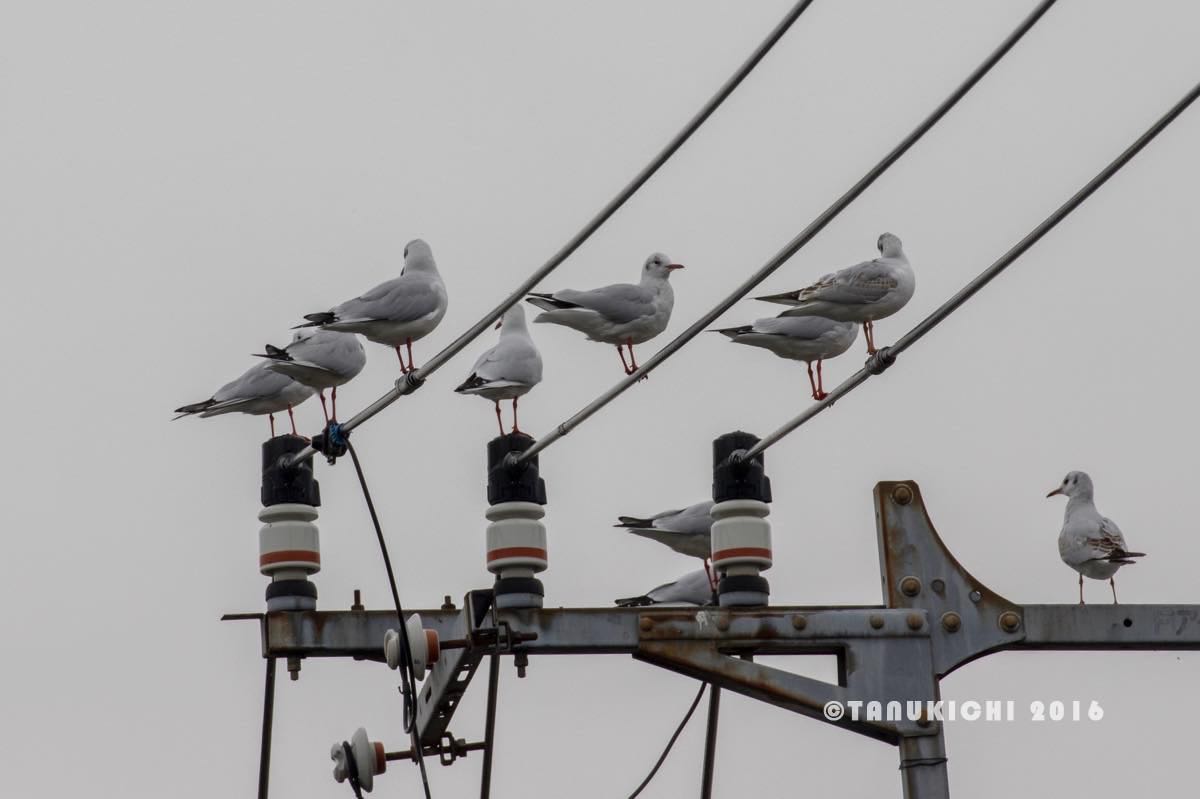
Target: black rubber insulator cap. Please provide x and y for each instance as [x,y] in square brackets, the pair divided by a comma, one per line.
[744,480]
[519,585]
[278,588]
[513,483]
[744,582]
[281,483]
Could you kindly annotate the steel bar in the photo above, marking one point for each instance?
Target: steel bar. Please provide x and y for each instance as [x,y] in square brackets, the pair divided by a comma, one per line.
[801,239]
[412,382]
[489,730]
[264,757]
[923,766]
[954,303]
[710,742]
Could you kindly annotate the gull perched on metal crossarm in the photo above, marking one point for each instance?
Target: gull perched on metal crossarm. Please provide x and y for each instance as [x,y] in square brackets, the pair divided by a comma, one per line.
[687,531]
[1090,543]
[257,391]
[798,337]
[508,370]
[862,293]
[320,359]
[622,314]
[397,312]
[692,588]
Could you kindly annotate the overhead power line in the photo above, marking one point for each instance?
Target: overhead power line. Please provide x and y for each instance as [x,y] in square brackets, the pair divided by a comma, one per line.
[415,379]
[887,355]
[793,246]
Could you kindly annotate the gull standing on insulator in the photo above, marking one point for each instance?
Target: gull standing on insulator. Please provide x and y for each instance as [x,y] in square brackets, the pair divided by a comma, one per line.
[258,391]
[692,588]
[621,314]
[1089,543]
[687,531]
[862,293]
[395,313]
[798,337]
[320,359]
[509,369]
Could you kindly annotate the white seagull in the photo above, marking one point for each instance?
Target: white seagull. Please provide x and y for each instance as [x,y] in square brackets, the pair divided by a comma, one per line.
[1089,543]
[861,293]
[692,588]
[320,359]
[258,391]
[621,314]
[395,313]
[798,337]
[687,531]
[509,369]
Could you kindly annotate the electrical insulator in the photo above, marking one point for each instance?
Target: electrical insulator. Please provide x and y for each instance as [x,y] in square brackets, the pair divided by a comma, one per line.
[289,547]
[358,760]
[516,537]
[741,534]
[423,643]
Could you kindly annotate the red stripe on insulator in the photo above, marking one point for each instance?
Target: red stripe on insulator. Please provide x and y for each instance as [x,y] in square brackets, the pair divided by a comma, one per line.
[306,555]
[742,552]
[516,552]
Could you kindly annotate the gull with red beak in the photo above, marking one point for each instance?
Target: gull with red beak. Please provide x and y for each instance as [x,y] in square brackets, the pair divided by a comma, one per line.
[508,370]
[1089,543]
[861,293]
[621,314]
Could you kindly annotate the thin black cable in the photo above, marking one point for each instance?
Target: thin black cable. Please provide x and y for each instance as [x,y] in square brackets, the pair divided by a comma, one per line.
[678,730]
[406,661]
[793,246]
[415,379]
[886,356]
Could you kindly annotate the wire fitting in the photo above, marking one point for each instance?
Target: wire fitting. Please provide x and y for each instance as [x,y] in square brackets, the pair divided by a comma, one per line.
[880,361]
[332,442]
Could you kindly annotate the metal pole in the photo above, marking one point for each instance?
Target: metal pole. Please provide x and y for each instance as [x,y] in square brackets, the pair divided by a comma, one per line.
[412,382]
[968,291]
[710,741]
[489,729]
[801,239]
[264,760]
[923,766]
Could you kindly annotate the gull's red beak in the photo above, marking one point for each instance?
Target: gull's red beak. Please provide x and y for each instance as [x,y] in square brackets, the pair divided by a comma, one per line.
[1054,492]
[674,266]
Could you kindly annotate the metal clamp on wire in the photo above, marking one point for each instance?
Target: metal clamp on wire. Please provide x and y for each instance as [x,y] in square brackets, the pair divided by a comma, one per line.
[410,382]
[880,360]
[332,442]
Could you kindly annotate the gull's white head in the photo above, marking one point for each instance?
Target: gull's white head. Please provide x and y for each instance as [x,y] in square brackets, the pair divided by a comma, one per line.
[513,318]
[889,245]
[418,256]
[1075,484]
[659,265]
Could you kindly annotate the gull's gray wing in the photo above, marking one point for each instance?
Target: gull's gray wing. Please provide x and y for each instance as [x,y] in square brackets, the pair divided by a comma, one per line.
[620,303]
[405,299]
[861,284]
[256,382]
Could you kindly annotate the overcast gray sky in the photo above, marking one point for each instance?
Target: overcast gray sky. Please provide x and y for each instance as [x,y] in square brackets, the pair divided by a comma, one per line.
[182,181]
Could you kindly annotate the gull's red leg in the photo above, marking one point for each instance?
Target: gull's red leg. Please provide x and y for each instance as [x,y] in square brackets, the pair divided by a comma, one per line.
[400,355]
[324,410]
[271,416]
[812,382]
[515,429]
[412,365]
[334,399]
[499,421]
[621,352]
[293,418]
[712,579]
[869,332]
[1081,589]
[820,382]
[632,360]
[1114,588]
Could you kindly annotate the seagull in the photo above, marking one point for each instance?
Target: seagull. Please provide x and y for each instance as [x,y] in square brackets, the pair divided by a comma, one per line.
[509,369]
[799,337]
[320,359]
[692,588]
[1089,543]
[621,314]
[687,531]
[257,391]
[395,313]
[861,293]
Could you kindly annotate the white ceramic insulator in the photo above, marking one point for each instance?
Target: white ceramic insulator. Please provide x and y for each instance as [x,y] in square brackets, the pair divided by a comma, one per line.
[368,756]
[741,536]
[288,540]
[425,644]
[516,539]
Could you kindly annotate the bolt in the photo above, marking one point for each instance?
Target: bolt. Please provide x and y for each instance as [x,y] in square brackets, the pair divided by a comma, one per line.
[448,603]
[876,621]
[976,596]
[358,605]
[723,622]
[646,624]
[1009,622]
[521,660]
[902,494]
[294,668]
[910,586]
[923,718]
[938,586]
[799,622]
[915,621]
[951,621]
